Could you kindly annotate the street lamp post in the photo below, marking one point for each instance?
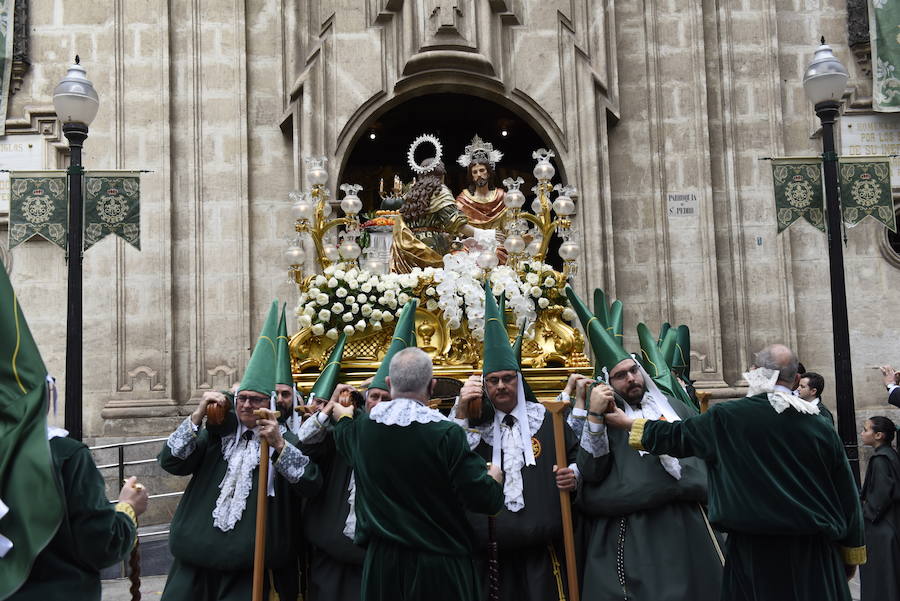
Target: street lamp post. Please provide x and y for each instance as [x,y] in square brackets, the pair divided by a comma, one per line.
[824,83]
[76,104]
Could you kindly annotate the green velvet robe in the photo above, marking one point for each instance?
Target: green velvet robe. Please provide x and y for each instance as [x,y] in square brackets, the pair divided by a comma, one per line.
[334,561]
[880,576]
[531,556]
[780,485]
[212,565]
[92,536]
[644,526]
[413,486]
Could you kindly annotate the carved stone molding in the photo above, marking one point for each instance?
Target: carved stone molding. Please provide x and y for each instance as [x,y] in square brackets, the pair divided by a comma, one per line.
[142,372]
[20,63]
[219,377]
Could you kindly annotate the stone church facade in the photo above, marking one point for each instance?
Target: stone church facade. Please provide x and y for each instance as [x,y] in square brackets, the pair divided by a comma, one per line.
[639,100]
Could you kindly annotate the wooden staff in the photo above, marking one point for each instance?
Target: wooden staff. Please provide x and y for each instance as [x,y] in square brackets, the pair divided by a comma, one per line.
[565,503]
[134,562]
[259,555]
[493,561]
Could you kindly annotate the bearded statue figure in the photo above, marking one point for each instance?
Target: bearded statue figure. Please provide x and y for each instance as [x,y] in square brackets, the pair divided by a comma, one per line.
[429,219]
[482,202]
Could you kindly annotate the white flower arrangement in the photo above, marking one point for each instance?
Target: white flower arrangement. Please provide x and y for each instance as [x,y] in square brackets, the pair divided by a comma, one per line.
[345,299]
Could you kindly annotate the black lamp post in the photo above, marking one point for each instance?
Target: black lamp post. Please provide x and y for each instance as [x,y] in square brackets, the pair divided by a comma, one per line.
[76,104]
[824,83]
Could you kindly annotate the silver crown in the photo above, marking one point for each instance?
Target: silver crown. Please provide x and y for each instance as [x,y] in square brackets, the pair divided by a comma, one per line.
[480,151]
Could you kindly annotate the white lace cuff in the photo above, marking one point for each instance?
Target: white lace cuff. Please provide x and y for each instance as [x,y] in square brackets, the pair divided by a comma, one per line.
[291,463]
[576,420]
[183,440]
[312,431]
[594,440]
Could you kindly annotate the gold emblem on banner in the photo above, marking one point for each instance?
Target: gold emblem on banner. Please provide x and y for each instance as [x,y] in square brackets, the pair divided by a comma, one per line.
[536,446]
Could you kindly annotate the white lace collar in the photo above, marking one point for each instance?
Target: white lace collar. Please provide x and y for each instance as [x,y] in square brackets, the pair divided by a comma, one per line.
[403,412]
[535,414]
[763,380]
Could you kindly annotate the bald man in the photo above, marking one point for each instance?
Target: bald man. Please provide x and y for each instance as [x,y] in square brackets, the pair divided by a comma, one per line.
[779,484]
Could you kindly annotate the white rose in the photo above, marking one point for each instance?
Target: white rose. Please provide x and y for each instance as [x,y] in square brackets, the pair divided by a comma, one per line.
[322,299]
[373,298]
[361,298]
[324,315]
[318,329]
[313,292]
[568,314]
[337,308]
[320,280]
[367,287]
[390,294]
[347,317]
[353,273]
[309,310]
[348,330]
[340,274]
[332,333]
[431,305]
[388,317]
[360,325]
[354,308]
[402,298]
[376,315]
[536,292]
[543,303]
[532,278]
[366,310]
[332,283]
[330,270]
[304,321]
[549,282]
[430,291]
[453,324]
[391,303]
[376,325]
[340,292]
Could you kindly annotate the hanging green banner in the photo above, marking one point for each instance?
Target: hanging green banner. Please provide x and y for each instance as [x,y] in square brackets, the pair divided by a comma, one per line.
[112,205]
[38,205]
[798,192]
[866,190]
[884,37]
[7,18]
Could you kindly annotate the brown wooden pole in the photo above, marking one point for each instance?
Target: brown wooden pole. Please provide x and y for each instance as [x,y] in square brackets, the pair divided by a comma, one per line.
[259,555]
[565,502]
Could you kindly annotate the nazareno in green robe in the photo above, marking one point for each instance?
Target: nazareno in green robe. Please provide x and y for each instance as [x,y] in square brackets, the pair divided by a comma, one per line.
[92,536]
[880,576]
[531,555]
[780,485]
[414,484]
[334,562]
[212,565]
[646,533]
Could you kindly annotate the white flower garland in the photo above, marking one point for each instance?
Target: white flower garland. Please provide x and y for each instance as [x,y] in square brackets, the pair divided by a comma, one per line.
[346,299]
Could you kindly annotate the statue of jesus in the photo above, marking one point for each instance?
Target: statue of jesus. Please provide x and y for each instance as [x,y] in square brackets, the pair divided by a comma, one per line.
[482,202]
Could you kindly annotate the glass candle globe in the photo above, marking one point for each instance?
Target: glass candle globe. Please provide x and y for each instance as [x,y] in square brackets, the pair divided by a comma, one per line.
[294,255]
[544,170]
[568,250]
[514,244]
[564,206]
[514,199]
[349,249]
[486,259]
[537,206]
[533,248]
[317,176]
[332,253]
[351,204]
[302,209]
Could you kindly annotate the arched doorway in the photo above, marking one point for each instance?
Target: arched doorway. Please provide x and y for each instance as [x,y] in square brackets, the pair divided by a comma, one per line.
[381,146]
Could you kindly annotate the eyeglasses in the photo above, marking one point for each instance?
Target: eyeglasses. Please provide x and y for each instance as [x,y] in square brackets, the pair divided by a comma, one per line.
[620,375]
[258,401]
[507,380]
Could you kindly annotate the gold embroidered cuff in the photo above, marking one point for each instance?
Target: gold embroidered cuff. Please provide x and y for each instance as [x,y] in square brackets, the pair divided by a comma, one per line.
[128,510]
[854,556]
[637,434]
[345,415]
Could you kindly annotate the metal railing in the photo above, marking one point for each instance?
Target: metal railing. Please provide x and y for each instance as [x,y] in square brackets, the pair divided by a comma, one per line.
[119,465]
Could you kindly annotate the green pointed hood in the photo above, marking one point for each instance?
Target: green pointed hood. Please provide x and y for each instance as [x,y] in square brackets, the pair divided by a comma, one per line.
[328,377]
[666,343]
[609,314]
[404,336]
[681,362]
[607,348]
[259,376]
[517,351]
[28,483]
[283,373]
[663,330]
[498,354]
[660,371]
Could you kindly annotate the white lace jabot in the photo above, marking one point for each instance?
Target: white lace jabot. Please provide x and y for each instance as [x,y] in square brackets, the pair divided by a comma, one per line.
[403,412]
